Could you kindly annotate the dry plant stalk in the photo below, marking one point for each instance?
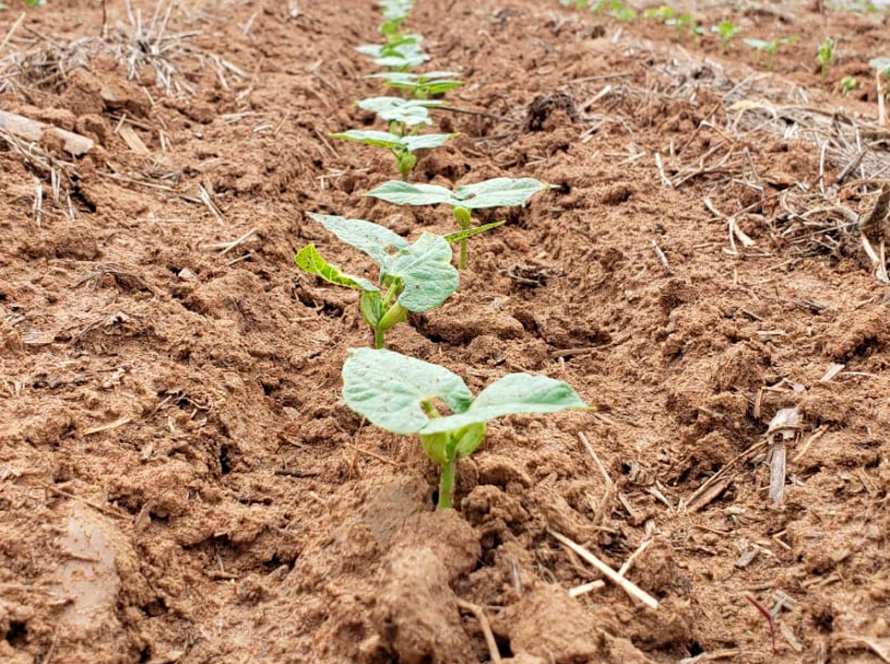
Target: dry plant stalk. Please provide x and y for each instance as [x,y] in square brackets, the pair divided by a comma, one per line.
[784,426]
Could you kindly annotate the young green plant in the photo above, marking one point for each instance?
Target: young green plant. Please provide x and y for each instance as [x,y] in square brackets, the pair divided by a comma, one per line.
[825,56]
[848,84]
[726,30]
[402,146]
[421,86]
[404,395]
[771,47]
[395,12]
[412,277]
[497,192]
[401,52]
[402,115]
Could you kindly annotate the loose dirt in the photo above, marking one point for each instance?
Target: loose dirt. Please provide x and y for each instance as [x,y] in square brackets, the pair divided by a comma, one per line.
[179,478]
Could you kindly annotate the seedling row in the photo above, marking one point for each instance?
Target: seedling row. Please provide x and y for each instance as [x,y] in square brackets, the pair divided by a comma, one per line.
[397,393]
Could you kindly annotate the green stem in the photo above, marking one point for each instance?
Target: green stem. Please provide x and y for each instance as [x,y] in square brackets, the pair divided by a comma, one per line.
[446,484]
[378,338]
[395,314]
[462,215]
[462,261]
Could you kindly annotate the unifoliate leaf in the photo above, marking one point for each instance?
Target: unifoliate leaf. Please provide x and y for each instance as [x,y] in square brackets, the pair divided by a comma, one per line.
[388,389]
[401,61]
[881,64]
[426,273]
[431,83]
[425,141]
[380,139]
[408,193]
[367,237]
[457,236]
[310,260]
[512,394]
[385,139]
[498,192]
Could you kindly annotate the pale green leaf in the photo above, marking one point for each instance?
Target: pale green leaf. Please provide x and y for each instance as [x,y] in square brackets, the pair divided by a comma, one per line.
[881,64]
[310,260]
[512,394]
[408,193]
[498,192]
[367,237]
[380,139]
[425,141]
[388,389]
[426,272]
[410,112]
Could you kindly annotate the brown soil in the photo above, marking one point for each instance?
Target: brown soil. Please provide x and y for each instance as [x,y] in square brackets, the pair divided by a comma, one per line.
[179,479]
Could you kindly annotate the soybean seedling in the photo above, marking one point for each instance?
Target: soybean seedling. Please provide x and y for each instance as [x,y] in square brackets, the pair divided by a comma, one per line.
[395,12]
[881,65]
[402,146]
[421,86]
[400,52]
[403,395]
[770,47]
[825,56]
[726,30]
[401,114]
[497,192]
[411,277]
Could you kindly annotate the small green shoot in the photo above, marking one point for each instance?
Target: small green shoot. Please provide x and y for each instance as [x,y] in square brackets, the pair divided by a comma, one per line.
[617,9]
[575,4]
[395,12]
[848,84]
[421,86]
[825,56]
[405,113]
[402,147]
[497,192]
[726,30]
[771,47]
[403,395]
[412,277]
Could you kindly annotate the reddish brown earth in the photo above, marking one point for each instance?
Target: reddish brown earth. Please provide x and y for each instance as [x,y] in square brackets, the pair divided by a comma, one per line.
[179,479]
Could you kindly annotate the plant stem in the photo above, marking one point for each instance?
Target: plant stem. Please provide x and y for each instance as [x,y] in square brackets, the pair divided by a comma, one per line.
[462,215]
[462,261]
[378,338]
[446,484]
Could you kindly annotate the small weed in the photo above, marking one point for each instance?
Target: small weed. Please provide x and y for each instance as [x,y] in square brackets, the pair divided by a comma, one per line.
[726,30]
[825,56]
[400,394]
[848,84]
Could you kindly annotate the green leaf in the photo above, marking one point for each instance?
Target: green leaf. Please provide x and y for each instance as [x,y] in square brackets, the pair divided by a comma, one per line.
[388,389]
[371,306]
[487,194]
[311,261]
[758,44]
[385,139]
[426,272]
[475,230]
[407,193]
[498,192]
[380,139]
[431,83]
[512,394]
[416,142]
[369,238]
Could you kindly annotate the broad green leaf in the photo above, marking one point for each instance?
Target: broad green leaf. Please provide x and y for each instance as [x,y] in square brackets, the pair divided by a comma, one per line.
[425,141]
[388,388]
[408,193]
[457,236]
[380,139]
[881,64]
[426,273]
[512,394]
[490,193]
[401,61]
[367,237]
[385,139]
[432,83]
[310,260]
[498,192]
[394,9]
